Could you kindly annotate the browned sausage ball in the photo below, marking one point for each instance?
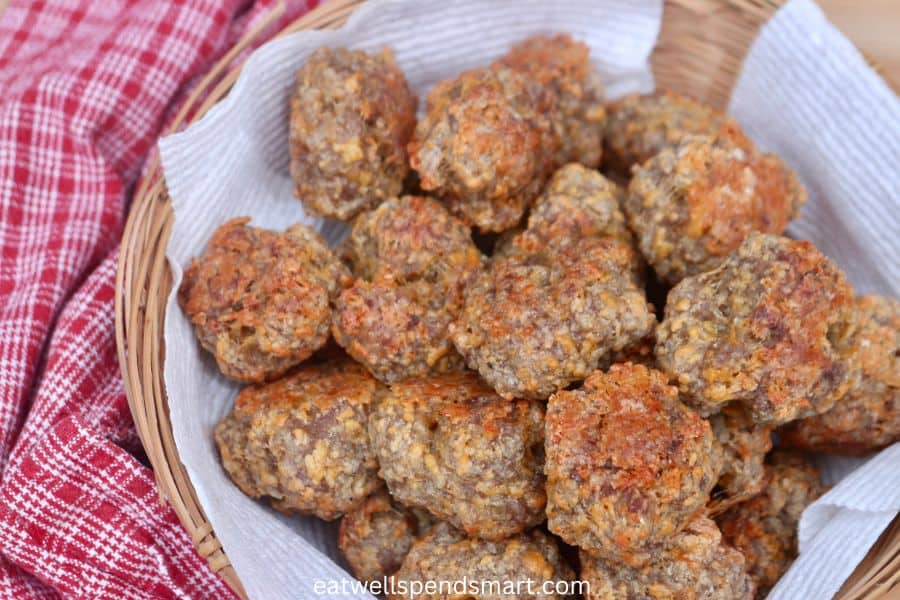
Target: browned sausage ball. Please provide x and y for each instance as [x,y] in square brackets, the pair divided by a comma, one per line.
[693,204]
[533,323]
[450,445]
[693,565]
[577,203]
[302,441]
[562,65]
[743,445]
[764,528]
[867,418]
[412,260]
[486,145]
[640,126]
[375,536]
[352,114]
[628,465]
[261,301]
[771,328]
[446,556]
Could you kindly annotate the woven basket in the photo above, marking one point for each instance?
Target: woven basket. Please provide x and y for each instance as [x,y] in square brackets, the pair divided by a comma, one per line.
[701,47]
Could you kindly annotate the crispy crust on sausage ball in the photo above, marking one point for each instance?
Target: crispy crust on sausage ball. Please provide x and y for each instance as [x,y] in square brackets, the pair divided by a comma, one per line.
[577,203]
[446,555]
[693,204]
[412,260]
[302,441]
[261,301]
[628,464]
[486,145]
[764,528]
[867,418]
[639,127]
[532,324]
[408,239]
[693,565]
[770,328]
[375,536]
[352,114]
[450,445]
[562,65]
[743,445]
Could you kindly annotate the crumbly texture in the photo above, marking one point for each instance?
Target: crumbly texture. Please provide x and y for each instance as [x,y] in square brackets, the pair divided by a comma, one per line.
[352,115]
[764,528]
[261,301]
[693,565]
[412,260]
[577,203]
[628,465]
[408,239]
[446,555]
[639,352]
[562,65]
[693,204]
[302,441]
[376,536]
[867,418]
[743,445]
[771,328]
[486,145]
[533,323]
[638,127]
[450,445]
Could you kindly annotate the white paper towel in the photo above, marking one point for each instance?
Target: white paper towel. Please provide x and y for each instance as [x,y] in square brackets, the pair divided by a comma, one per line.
[235,162]
[805,93]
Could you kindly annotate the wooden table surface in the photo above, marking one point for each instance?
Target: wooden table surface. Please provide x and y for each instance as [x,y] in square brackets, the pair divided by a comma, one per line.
[873,25]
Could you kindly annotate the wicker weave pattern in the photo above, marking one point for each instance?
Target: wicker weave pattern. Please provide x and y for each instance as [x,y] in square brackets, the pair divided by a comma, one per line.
[700,51]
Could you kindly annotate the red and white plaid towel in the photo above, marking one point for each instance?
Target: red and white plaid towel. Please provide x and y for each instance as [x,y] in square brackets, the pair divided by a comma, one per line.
[85,89]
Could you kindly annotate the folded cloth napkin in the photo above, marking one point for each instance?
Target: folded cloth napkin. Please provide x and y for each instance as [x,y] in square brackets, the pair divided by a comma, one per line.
[86,88]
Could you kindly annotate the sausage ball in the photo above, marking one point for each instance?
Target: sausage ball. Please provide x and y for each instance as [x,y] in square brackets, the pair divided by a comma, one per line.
[486,145]
[867,418]
[693,565]
[693,204]
[771,328]
[531,324]
[412,260]
[302,441]
[628,465]
[261,301]
[764,528]
[743,446]
[577,203]
[638,127]
[450,445]
[561,64]
[352,114]
[446,556]
[375,536]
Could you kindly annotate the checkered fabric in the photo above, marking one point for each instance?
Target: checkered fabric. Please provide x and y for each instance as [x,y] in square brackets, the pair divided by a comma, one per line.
[86,86]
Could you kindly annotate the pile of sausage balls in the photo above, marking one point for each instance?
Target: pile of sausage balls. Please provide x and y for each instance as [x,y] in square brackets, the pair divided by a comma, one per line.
[477,383]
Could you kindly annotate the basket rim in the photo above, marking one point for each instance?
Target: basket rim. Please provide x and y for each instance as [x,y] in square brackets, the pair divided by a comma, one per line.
[144,280]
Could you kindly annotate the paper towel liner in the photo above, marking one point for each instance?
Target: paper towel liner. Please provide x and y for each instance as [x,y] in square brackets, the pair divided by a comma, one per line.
[806,93]
[234,162]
